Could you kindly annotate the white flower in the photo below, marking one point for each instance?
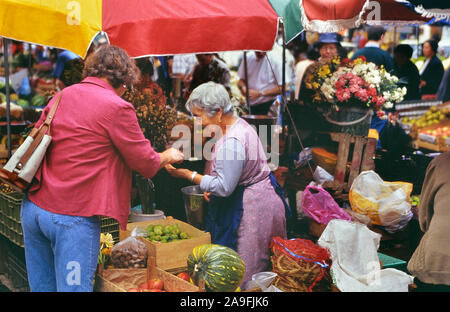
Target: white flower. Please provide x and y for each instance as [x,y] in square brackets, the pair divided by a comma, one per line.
[388,105]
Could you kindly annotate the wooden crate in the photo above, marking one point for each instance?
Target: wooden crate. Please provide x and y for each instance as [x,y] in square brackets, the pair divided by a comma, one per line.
[362,160]
[120,280]
[171,255]
[315,229]
[440,144]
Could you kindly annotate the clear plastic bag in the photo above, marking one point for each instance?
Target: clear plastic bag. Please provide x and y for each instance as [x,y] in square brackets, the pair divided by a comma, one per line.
[386,203]
[131,253]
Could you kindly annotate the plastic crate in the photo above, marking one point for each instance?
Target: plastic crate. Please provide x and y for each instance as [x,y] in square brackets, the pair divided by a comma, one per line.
[17,270]
[111,226]
[10,203]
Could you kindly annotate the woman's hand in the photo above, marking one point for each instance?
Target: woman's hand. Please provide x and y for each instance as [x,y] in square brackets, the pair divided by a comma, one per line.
[178,173]
[254,94]
[171,156]
[206,196]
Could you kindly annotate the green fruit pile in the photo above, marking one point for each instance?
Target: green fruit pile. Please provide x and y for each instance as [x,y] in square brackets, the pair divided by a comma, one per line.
[433,116]
[165,234]
[415,201]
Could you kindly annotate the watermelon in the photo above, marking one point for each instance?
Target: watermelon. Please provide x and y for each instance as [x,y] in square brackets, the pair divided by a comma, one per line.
[221,268]
[38,100]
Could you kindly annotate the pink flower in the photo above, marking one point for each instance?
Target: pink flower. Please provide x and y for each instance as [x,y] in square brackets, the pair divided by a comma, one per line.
[380,101]
[354,88]
[348,76]
[340,83]
[372,91]
[362,95]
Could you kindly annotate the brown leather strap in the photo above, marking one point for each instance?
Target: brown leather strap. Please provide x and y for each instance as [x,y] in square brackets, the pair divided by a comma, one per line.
[39,134]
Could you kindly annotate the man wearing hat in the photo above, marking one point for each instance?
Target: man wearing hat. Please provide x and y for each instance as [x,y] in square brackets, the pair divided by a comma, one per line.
[372,51]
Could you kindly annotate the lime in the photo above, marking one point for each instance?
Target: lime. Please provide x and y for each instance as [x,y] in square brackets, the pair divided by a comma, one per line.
[158,230]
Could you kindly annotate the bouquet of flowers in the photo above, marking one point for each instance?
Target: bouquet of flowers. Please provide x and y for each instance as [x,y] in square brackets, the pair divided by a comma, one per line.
[154,117]
[337,83]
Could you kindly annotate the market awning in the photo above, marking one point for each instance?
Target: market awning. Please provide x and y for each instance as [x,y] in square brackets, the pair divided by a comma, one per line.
[143,27]
[289,11]
[337,15]
[437,9]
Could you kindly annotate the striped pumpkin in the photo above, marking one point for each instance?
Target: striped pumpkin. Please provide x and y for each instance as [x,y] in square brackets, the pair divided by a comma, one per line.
[221,268]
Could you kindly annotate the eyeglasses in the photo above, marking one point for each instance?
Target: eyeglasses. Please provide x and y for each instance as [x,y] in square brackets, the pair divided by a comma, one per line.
[328,48]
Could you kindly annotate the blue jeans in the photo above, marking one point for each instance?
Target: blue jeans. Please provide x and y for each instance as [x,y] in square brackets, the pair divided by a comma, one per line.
[61,251]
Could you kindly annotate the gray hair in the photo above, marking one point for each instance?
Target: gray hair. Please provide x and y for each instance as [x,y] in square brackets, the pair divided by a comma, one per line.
[210,97]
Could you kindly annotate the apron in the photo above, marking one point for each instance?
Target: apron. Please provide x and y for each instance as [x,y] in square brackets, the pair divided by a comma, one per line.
[225,213]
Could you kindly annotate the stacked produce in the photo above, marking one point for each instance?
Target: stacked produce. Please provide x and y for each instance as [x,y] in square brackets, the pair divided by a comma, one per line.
[165,234]
[301,265]
[433,116]
[156,284]
[441,131]
[129,254]
[153,285]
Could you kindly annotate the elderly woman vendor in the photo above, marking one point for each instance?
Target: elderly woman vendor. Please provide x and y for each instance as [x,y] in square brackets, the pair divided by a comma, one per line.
[246,205]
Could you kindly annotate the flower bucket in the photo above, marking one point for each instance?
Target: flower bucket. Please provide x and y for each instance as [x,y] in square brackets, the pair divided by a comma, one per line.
[353,120]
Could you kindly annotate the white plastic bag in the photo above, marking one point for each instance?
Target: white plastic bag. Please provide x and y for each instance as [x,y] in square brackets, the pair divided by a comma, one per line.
[263,280]
[385,203]
[321,176]
[355,261]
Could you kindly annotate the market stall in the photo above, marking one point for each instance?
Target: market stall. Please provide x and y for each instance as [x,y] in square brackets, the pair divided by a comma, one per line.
[173,253]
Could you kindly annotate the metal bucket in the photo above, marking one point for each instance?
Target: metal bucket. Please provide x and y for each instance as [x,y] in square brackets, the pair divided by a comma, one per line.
[262,120]
[353,120]
[194,205]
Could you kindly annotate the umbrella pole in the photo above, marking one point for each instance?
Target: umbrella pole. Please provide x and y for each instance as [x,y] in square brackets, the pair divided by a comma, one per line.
[283,89]
[8,113]
[247,93]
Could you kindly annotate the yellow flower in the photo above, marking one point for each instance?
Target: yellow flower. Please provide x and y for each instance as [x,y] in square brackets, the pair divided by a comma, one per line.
[107,240]
[315,85]
[324,71]
[336,60]
[106,251]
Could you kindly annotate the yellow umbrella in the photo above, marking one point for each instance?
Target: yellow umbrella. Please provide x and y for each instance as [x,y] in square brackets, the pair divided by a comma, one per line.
[65,24]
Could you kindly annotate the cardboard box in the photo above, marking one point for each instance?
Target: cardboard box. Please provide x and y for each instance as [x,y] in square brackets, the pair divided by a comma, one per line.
[120,280]
[171,255]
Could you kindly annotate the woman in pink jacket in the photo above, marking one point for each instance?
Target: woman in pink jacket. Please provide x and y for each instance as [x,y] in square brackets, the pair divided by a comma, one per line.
[96,144]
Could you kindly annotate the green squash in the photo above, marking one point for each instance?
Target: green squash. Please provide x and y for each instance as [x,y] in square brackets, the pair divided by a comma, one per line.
[221,268]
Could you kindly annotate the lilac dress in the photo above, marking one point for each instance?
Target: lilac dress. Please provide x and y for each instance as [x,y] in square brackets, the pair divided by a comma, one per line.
[263,210]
